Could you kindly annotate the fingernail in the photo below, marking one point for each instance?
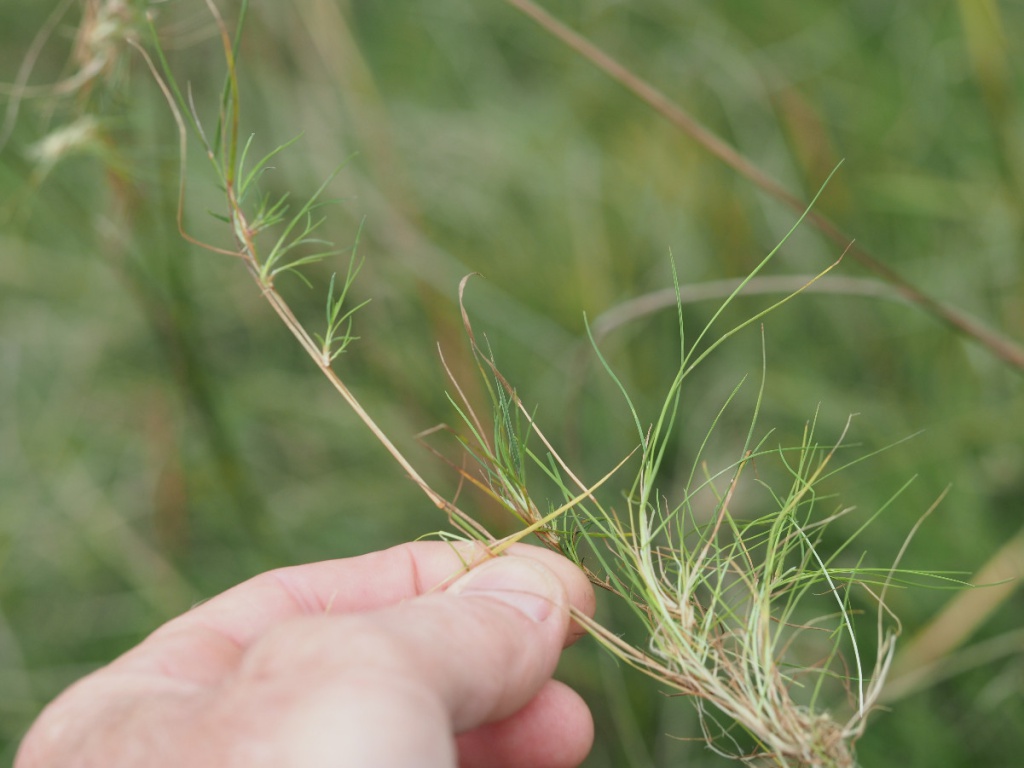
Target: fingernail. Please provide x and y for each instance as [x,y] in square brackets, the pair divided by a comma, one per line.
[520,583]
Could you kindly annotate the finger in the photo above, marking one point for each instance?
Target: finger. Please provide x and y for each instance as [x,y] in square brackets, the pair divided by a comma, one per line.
[357,584]
[424,669]
[207,642]
[387,687]
[484,647]
[554,730]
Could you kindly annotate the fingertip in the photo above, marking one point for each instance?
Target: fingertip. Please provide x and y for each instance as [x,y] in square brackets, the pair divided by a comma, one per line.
[521,583]
[577,585]
[554,730]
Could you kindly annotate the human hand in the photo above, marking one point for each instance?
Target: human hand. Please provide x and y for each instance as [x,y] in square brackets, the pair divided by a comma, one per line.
[353,662]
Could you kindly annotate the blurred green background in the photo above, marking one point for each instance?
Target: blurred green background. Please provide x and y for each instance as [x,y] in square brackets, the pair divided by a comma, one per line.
[162,436]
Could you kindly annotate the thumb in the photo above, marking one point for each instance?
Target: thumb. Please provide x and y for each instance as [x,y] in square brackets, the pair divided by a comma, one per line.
[429,667]
[517,656]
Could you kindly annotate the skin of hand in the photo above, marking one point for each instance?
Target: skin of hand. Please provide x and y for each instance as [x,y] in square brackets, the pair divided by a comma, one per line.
[380,661]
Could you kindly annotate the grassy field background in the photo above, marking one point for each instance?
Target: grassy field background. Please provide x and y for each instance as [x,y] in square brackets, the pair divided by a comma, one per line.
[162,436]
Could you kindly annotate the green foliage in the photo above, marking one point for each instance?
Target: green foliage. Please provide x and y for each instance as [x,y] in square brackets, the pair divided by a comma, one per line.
[160,439]
[338,333]
[722,595]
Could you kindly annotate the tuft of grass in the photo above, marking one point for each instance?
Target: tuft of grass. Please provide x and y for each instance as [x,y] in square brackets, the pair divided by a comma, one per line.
[734,605]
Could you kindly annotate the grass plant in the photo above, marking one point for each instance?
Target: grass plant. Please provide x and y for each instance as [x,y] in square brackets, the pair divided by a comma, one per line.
[721,601]
[737,576]
[724,598]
